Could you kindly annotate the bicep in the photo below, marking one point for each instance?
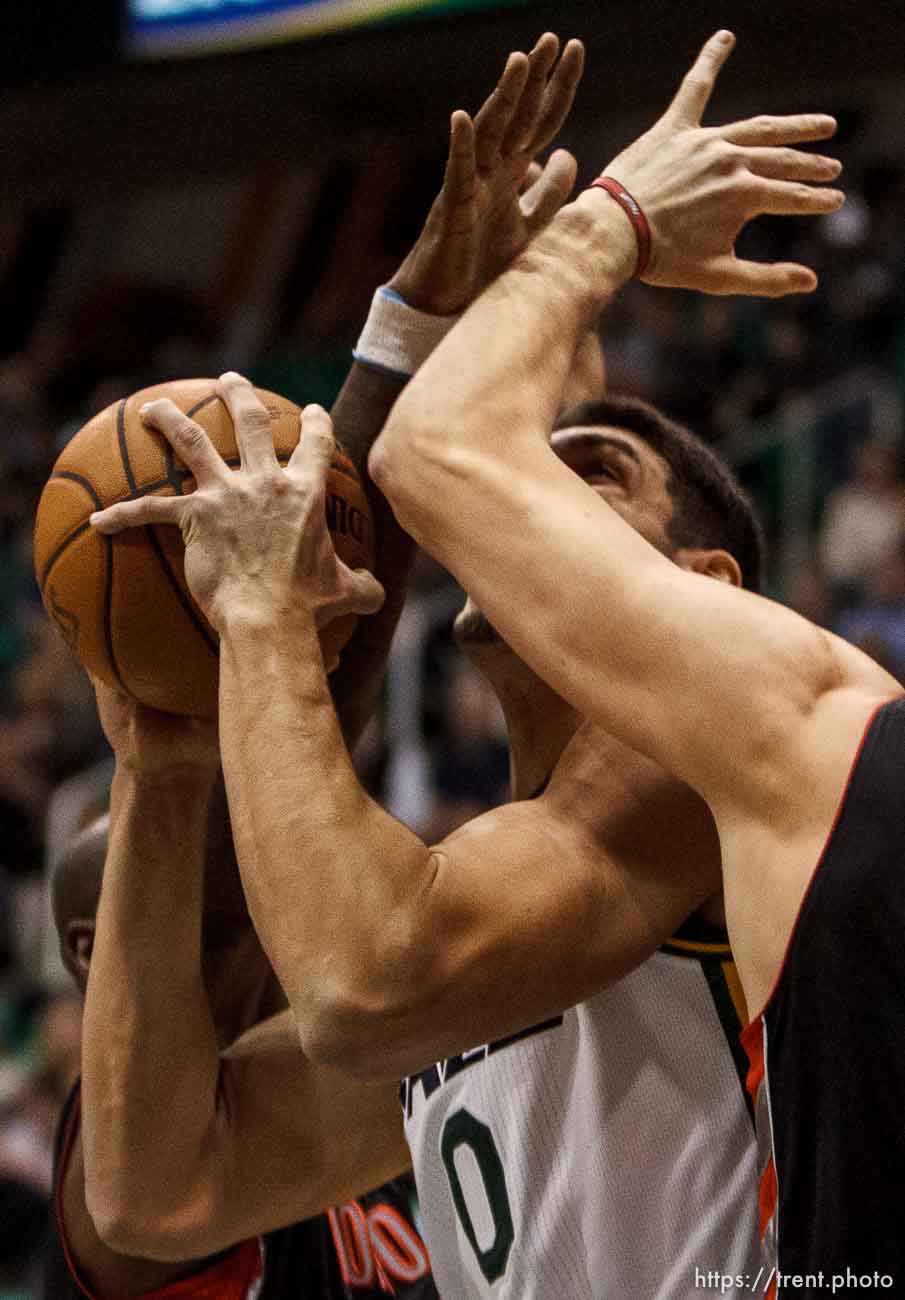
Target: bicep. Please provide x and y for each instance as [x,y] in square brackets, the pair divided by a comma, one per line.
[527,916]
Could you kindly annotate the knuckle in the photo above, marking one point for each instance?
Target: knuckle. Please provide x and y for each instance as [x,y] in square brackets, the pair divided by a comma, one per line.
[728,158]
[187,433]
[256,420]
[697,80]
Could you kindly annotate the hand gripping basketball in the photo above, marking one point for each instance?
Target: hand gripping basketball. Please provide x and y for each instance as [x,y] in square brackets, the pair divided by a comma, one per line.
[256,539]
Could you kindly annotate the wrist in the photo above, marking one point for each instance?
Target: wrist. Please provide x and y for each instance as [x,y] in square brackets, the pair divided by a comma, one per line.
[398,337]
[423,298]
[609,238]
[256,625]
[169,778]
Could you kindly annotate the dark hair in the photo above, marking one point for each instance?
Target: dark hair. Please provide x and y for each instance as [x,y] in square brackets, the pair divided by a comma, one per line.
[710,509]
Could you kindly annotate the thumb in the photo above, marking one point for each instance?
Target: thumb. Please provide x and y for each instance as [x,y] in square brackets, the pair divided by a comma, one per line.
[768,279]
[550,190]
[364,592]
[357,592]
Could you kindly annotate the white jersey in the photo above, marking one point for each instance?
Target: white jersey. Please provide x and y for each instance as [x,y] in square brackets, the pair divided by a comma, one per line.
[608,1153]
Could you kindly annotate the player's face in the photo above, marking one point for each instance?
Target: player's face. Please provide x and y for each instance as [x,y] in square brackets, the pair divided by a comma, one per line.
[631,477]
[626,472]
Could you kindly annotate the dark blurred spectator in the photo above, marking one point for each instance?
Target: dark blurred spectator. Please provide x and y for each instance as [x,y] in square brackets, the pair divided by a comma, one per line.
[471,763]
[877,624]
[42,1041]
[863,519]
[23,1230]
[806,592]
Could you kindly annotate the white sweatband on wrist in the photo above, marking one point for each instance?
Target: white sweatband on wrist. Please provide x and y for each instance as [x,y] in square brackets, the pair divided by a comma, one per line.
[397,338]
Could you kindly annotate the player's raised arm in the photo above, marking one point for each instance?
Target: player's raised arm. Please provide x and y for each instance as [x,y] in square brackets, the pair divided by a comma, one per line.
[494,197]
[466,463]
[190,1146]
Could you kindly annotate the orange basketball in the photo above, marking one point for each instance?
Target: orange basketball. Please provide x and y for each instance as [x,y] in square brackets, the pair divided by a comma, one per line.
[121,601]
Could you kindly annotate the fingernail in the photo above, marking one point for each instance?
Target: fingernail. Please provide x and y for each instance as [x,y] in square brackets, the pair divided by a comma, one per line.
[143,409]
[93,518]
[724,37]
[230,375]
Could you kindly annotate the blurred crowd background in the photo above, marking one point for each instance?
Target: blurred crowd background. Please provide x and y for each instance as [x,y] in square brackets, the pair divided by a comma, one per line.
[172,218]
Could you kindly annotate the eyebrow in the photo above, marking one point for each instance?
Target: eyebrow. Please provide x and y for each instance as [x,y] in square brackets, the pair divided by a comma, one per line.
[590,438]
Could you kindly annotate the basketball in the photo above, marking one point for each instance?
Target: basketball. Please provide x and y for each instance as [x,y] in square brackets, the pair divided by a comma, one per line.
[121,602]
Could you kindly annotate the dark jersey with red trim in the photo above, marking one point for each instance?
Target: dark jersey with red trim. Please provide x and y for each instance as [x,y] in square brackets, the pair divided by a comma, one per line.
[828,1052]
[367,1249]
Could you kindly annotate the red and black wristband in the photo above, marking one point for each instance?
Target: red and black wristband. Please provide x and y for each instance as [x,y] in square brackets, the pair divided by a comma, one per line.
[632,209]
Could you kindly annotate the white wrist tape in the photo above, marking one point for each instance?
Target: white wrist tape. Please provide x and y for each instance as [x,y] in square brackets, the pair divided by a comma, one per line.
[397,338]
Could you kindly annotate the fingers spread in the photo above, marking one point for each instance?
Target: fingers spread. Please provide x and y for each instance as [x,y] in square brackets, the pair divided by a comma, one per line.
[254,436]
[144,510]
[799,128]
[697,85]
[549,192]
[533,173]
[769,280]
[790,198]
[314,450]
[188,440]
[559,96]
[495,116]
[540,61]
[792,165]
[461,165]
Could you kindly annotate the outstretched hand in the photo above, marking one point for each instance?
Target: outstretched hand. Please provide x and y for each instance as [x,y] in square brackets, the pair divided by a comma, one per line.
[698,186]
[495,198]
[256,539]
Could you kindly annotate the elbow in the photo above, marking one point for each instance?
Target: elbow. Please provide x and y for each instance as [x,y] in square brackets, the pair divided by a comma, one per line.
[125,1234]
[349,1041]
[372,1028]
[414,462]
[394,465]
[141,1230]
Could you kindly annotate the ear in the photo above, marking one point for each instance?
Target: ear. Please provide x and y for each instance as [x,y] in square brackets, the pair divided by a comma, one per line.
[76,948]
[712,564]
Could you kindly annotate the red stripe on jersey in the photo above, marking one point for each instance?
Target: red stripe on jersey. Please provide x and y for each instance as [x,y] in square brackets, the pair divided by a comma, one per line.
[767,1196]
[752,1039]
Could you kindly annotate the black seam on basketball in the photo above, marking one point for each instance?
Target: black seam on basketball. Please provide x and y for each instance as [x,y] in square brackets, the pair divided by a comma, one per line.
[174,476]
[55,555]
[82,482]
[108,619]
[199,406]
[183,599]
[123,445]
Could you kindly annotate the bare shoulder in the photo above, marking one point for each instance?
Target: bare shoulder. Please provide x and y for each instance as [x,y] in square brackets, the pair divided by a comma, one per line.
[822,730]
